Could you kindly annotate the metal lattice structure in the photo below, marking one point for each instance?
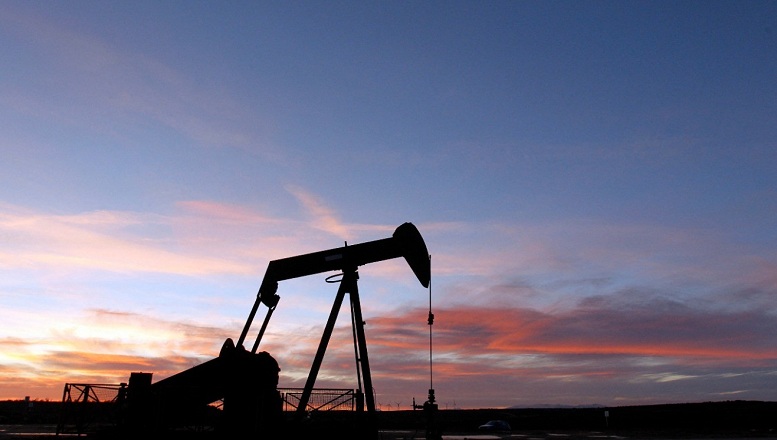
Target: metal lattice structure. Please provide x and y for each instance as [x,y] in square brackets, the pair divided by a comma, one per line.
[87,406]
[321,399]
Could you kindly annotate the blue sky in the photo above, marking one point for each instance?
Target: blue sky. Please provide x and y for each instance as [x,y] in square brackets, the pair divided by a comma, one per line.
[596,183]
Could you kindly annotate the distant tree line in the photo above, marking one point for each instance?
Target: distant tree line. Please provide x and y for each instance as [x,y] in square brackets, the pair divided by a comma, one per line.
[13,412]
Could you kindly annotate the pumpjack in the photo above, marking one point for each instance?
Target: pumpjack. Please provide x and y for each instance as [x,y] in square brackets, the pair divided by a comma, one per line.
[246,381]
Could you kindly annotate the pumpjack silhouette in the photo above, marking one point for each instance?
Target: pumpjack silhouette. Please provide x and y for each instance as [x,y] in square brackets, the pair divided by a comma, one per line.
[246,381]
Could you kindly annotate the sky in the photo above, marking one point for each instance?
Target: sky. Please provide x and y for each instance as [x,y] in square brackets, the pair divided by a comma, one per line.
[595,182]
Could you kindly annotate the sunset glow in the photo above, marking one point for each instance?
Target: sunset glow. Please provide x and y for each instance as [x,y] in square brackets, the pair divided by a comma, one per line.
[596,184]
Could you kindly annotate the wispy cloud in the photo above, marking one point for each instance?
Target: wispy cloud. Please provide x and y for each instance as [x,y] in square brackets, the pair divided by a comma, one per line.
[322,216]
[107,88]
[98,241]
[493,315]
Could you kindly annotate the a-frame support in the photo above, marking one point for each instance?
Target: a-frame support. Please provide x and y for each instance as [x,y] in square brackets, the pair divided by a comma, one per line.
[348,284]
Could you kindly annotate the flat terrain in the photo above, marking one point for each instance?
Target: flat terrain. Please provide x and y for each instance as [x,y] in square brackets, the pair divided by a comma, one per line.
[708,420]
[48,432]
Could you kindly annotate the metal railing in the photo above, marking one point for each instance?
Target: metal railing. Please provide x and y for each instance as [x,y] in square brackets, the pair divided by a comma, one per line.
[321,399]
[89,407]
